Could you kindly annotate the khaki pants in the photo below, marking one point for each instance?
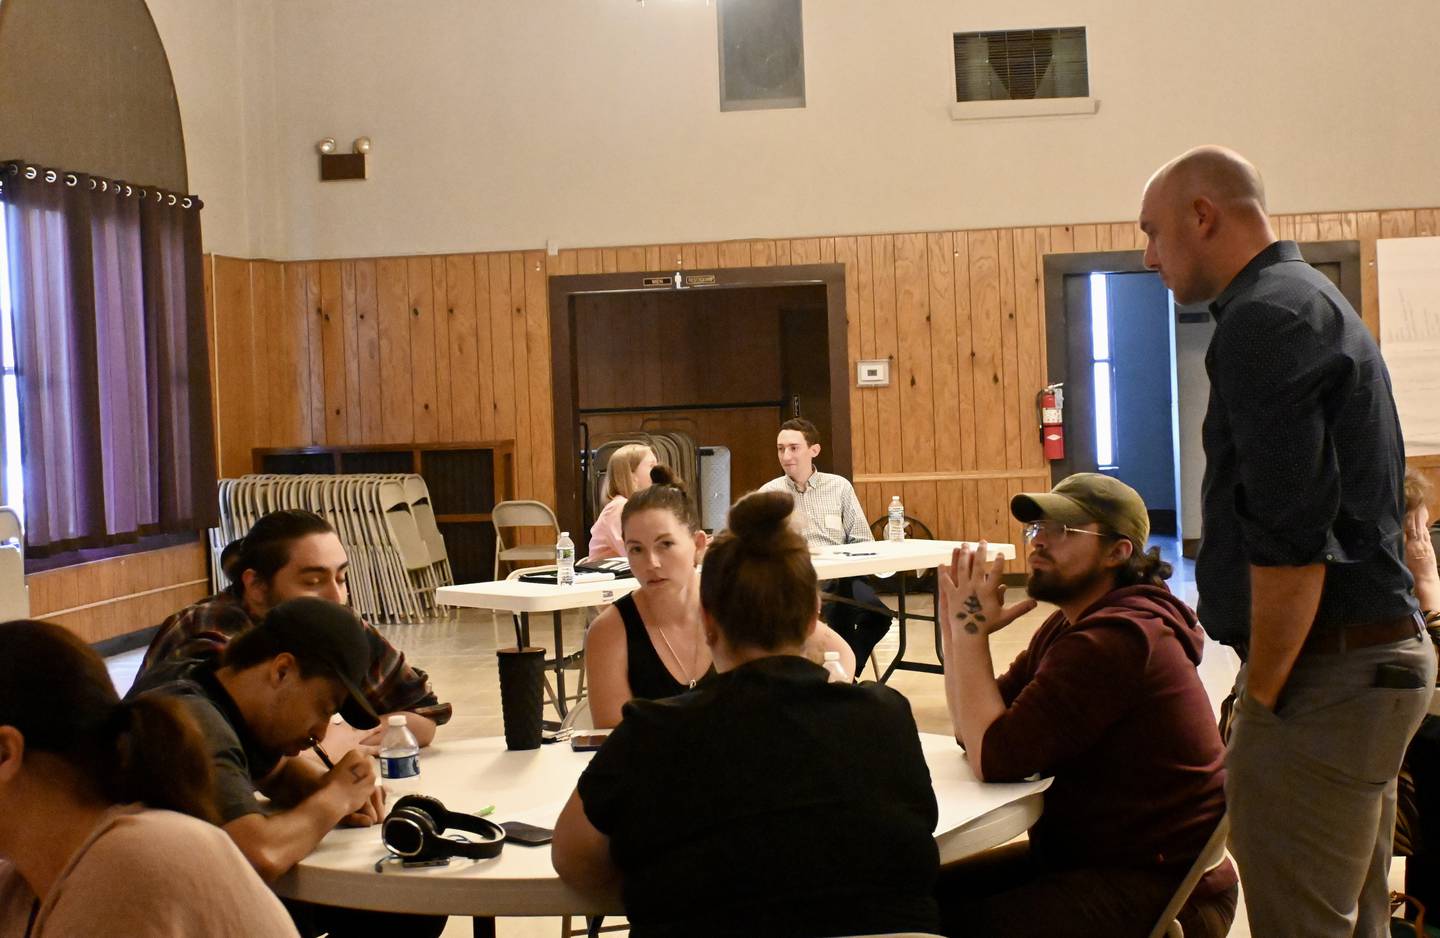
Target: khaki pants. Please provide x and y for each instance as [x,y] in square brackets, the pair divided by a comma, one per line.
[1311,791]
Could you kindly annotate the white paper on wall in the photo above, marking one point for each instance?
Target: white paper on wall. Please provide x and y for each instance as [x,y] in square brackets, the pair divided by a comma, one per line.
[1409,278]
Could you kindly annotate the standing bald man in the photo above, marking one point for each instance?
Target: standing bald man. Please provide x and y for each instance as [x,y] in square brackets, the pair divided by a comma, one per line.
[1301,567]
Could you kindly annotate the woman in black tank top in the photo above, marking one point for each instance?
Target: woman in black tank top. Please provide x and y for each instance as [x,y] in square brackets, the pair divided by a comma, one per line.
[651,644]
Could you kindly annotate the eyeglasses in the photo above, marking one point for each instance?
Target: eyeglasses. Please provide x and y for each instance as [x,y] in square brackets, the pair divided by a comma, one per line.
[1055,532]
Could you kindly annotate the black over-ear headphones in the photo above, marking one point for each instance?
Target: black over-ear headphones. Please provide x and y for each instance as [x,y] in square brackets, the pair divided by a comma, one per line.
[415,824]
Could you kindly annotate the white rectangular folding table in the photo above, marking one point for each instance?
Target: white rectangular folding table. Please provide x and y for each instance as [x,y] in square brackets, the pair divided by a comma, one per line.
[862,558]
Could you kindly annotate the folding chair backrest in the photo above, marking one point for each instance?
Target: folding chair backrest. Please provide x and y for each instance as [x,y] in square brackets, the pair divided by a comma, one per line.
[14,593]
[1211,856]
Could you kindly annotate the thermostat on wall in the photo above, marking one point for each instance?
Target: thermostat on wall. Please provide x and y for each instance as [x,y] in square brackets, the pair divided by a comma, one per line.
[873,374]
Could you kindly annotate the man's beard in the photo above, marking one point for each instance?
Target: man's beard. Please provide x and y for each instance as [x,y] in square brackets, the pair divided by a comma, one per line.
[1049,586]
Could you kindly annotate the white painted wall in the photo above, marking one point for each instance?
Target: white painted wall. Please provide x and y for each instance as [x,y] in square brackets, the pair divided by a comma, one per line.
[204,40]
[498,124]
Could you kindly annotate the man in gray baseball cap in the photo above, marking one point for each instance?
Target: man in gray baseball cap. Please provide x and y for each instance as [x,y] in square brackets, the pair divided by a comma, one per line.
[1107,700]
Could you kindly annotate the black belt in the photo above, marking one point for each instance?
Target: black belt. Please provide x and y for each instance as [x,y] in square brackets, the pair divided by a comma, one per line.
[1365,635]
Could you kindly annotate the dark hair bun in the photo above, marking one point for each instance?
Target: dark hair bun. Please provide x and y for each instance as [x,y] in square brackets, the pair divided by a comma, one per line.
[664,475]
[761,522]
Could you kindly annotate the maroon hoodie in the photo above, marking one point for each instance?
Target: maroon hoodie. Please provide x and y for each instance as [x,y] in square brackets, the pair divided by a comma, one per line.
[1113,708]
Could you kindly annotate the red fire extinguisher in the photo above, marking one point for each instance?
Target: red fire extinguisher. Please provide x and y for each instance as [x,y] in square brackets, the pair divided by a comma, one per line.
[1051,403]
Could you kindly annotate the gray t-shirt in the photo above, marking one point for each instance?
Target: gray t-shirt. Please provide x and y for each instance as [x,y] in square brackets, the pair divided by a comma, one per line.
[239,759]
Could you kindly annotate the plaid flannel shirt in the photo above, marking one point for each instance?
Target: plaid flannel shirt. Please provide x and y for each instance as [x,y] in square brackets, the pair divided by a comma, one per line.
[204,629]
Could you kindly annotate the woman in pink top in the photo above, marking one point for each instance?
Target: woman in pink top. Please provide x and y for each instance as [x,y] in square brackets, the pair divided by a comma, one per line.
[628,473]
[104,808]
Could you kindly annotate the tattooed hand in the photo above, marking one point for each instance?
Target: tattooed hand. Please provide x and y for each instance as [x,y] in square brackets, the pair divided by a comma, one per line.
[973,596]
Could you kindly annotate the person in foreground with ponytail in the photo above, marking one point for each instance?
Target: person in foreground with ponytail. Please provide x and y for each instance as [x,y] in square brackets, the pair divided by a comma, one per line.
[650,644]
[745,807]
[105,808]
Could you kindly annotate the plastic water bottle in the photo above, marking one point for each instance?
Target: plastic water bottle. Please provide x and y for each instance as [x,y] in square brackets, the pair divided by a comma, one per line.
[836,669]
[399,752]
[565,560]
[895,528]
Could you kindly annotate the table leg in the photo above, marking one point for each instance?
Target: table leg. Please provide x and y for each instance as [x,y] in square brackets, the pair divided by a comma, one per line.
[522,631]
[559,665]
[484,926]
[939,639]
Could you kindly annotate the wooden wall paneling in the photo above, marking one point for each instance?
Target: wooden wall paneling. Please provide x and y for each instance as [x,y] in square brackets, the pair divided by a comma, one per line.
[950,510]
[207,288]
[1427,222]
[944,366]
[1010,360]
[735,254]
[371,372]
[350,327]
[913,369]
[329,305]
[107,598]
[921,500]
[315,345]
[629,259]
[444,319]
[290,392]
[1029,339]
[990,422]
[782,254]
[1367,226]
[1284,226]
[1123,236]
[707,255]
[845,255]
[1102,238]
[524,442]
[1042,247]
[970,507]
[537,346]
[587,261]
[1307,228]
[397,408]
[762,253]
[1331,226]
[995,510]
[485,347]
[609,262]
[887,346]
[964,423]
[1397,223]
[827,250]
[652,257]
[421,301]
[865,287]
[1349,226]
[236,373]
[672,256]
[1085,240]
[805,251]
[464,361]
[503,361]
[1062,239]
[688,258]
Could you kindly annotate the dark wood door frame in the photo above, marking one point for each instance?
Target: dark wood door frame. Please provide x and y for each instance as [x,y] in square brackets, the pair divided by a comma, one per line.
[563,358]
[1061,334]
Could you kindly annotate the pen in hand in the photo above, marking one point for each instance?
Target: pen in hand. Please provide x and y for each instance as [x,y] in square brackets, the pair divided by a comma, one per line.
[315,747]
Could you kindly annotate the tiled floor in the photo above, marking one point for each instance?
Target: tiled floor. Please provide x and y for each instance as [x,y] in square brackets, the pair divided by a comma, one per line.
[459,654]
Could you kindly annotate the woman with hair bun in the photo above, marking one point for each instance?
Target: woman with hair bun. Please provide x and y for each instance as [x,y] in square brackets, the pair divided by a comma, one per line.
[650,644]
[769,801]
[105,808]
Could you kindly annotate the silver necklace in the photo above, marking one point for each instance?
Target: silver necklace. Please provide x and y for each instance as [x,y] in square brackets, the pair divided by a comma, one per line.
[690,681]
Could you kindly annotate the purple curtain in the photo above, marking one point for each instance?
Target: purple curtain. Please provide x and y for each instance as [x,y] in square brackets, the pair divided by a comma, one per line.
[111,356]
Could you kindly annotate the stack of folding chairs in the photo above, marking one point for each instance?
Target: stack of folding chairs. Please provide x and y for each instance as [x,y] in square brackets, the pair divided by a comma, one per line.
[672,448]
[385,522]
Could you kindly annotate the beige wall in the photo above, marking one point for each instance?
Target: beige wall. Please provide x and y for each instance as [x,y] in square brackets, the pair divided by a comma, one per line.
[220,58]
[595,122]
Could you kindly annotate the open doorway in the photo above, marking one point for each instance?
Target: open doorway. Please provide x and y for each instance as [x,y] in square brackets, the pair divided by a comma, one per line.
[1135,382]
[718,358]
